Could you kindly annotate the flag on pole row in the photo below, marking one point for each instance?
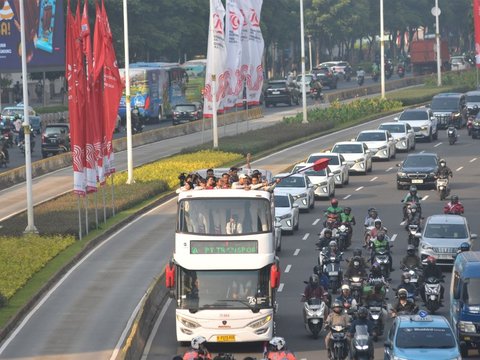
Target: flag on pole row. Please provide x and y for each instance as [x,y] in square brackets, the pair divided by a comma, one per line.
[476,23]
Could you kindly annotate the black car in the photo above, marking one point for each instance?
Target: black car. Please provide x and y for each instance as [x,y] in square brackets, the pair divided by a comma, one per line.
[326,76]
[281,92]
[55,139]
[450,109]
[419,169]
[184,113]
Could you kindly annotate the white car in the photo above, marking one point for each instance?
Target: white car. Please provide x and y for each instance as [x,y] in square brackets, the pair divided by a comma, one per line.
[356,154]
[278,235]
[380,142]
[459,63]
[322,179]
[286,212]
[308,80]
[337,165]
[422,121]
[300,187]
[403,134]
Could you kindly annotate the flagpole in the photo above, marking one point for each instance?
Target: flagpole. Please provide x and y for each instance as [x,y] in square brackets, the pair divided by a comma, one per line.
[26,126]
[79,218]
[214,85]
[128,114]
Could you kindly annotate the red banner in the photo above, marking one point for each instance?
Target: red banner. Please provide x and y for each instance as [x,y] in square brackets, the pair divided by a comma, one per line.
[476,22]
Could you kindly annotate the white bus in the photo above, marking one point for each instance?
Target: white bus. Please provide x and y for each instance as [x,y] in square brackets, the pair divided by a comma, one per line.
[224,272]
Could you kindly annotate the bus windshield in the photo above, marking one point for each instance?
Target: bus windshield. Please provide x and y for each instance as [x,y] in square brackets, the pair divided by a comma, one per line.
[224,216]
[224,289]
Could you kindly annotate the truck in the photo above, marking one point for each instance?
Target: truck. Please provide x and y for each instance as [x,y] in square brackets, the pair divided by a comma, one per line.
[423,56]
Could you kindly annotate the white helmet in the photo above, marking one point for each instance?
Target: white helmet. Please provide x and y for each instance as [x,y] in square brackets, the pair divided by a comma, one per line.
[277,343]
[342,228]
[197,341]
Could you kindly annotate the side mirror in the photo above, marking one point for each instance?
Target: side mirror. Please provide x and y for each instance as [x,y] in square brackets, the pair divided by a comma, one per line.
[398,165]
[473,236]
[368,151]
[388,344]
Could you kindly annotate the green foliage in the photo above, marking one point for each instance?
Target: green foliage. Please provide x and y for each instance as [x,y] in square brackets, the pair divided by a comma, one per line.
[3,300]
[51,109]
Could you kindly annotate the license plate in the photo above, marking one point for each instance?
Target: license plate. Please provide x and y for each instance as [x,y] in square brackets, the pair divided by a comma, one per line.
[275,92]
[445,256]
[417,181]
[225,338]
[333,273]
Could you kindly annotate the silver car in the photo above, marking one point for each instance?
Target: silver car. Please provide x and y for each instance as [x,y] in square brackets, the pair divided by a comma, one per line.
[356,154]
[286,212]
[403,134]
[300,187]
[380,142]
[337,165]
[442,236]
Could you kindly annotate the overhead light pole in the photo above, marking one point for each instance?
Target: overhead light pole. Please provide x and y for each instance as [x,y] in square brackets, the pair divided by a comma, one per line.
[128,113]
[436,12]
[310,51]
[382,53]
[302,49]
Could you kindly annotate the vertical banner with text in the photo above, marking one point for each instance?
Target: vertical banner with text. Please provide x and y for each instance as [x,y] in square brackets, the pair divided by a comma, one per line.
[476,22]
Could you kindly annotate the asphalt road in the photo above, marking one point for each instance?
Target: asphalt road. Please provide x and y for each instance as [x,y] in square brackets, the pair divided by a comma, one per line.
[85,315]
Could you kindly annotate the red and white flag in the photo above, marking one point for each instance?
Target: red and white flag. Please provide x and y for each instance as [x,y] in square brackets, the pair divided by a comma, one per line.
[476,23]
[233,77]
[216,60]
[256,46]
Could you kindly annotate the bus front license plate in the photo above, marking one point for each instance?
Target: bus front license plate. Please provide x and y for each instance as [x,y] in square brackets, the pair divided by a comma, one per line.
[225,338]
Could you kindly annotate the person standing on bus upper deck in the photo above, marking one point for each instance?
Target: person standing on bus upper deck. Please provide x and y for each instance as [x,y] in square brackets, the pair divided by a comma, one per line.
[233,174]
[241,183]
[210,185]
[233,225]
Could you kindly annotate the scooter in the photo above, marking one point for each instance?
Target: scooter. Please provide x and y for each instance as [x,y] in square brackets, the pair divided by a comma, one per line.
[432,294]
[342,237]
[401,71]
[361,344]
[313,316]
[452,135]
[339,342]
[316,94]
[442,187]
[360,79]
[375,308]
[414,235]
[356,287]
[381,257]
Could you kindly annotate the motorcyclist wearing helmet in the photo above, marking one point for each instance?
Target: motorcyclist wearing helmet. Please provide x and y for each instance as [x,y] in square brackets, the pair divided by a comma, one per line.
[431,269]
[197,350]
[407,285]
[403,305]
[136,121]
[330,251]
[411,198]
[381,243]
[357,266]
[335,318]
[411,260]
[313,289]
[454,206]
[361,320]
[333,211]
[325,237]
[371,217]
[277,350]
[373,233]
[347,218]
[465,246]
[444,171]
[348,301]
[413,216]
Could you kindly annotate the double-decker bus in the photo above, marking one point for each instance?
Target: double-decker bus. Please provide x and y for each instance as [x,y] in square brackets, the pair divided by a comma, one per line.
[224,281]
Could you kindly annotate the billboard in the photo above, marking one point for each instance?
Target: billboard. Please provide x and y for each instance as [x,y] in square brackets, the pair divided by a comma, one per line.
[44,33]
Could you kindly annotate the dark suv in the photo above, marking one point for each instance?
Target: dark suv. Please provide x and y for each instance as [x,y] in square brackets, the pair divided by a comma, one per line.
[55,139]
[326,76]
[184,113]
[450,109]
[419,169]
[281,92]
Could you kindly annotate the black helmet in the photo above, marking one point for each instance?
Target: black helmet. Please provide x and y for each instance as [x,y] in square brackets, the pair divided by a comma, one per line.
[314,280]
[410,249]
[327,231]
[381,236]
[347,210]
[454,199]
[378,286]
[337,306]
[465,246]
[357,252]
[362,313]
[413,189]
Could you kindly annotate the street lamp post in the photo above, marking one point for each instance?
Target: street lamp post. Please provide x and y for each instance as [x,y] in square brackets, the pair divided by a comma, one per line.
[128,114]
[436,12]
[310,51]
[302,49]
[382,53]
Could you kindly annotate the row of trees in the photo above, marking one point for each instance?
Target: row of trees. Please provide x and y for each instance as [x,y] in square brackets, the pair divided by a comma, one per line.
[175,30]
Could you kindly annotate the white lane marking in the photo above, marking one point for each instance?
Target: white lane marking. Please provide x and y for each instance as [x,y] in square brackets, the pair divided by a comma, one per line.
[460,168]
[287,269]
[403,222]
[473,160]
[315,222]
[296,252]
[425,197]
[394,236]
[421,152]
[346,197]
[359,188]
[305,237]
[436,145]
[390,168]
[373,179]
[148,345]
[280,287]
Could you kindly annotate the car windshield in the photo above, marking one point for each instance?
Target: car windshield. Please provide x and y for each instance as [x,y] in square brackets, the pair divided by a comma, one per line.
[473,98]
[292,181]
[414,115]
[457,61]
[371,136]
[54,130]
[425,338]
[12,112]
[333,160]
[471,292]
[445,103]
[348,149]
[393,128]
[185,108]
[420,161]
[446,231]
[279,85]
[282,201]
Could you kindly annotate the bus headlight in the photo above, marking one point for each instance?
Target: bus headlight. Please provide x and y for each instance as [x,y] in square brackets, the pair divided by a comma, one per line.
[259,323]
[188,323]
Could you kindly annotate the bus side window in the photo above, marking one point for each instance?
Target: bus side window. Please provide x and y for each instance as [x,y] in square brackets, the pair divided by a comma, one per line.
[456,286]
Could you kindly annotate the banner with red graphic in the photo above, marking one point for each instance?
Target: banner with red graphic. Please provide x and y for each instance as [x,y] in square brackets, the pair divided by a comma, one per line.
[216,60]
[476,22]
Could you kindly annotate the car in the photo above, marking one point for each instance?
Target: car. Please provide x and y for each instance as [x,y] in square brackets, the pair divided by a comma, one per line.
[421,337]
[403,133]
[418,169]
[380,143]
[472,101]
[322,179]
[300,187]
[326,76]
[308,80]
[442,235]
[422,121]
[338,67]
[9,113]
[337,165]
[278,235]
[450,109]
[281,92]
[286,211]
[55,139]
[356,154]
[184,113]
[459,63]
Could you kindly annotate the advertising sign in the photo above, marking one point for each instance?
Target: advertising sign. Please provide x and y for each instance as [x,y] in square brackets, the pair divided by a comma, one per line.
[44,32]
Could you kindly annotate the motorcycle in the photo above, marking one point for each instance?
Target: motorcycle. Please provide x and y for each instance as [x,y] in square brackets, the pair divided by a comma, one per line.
[3,159]
[407,206]
[442,187]
[432,294]
[375,76]
[356,287]
[7,137]
[360,79]
[342,237]
[414,235]
[401,71]
[330,266]
[137,129]
[313,316]
[21,145]
[375,309]
[470,121]
[360,344]
[475,131]
[452,135]
[415,275]
[339,342]
[316,94]
[381,257]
